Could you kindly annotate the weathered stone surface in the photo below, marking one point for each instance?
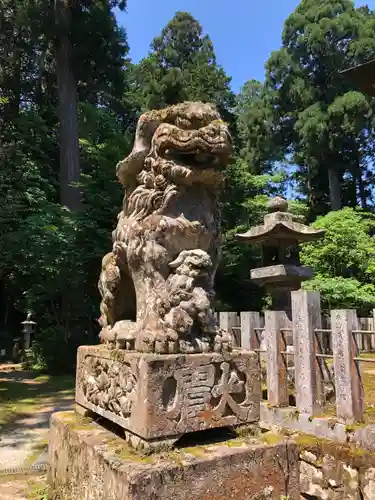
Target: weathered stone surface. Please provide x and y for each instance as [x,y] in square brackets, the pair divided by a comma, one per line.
[348,383]
[341,476]
[90,463]
[367,480]
[250,337]
[311,480]
[277,382]
[309,457]
[306,318]
[162,396]
[364,437]
[288,418]
[283,273]
[157,283]
[330,480]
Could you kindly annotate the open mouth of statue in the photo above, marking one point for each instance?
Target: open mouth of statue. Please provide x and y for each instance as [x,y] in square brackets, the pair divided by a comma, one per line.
[193,158]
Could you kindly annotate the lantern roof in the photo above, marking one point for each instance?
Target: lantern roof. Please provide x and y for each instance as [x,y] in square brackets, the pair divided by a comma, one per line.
[28,320]
[279,225]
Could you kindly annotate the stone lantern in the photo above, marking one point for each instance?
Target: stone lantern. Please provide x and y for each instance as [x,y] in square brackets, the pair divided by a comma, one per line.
[27,330]
[279,237]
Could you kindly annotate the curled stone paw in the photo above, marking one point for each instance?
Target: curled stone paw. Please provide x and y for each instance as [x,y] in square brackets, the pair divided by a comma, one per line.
[125,334]
[126,341]
[107,336]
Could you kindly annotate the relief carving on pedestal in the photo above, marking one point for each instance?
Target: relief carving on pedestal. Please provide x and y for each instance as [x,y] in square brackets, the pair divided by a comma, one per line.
[109,384]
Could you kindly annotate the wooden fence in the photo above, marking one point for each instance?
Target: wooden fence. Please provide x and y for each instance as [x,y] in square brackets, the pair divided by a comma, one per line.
[240,324]
[303,355]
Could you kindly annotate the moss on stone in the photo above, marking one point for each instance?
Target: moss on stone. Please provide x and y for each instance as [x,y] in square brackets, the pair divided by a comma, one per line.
[116,355]
[122,450]
[76,421]
[250,431]
[172,456]
[235,443]
[126,453]
[354,427]
[272,438]
[352,456]
[196,451]
[306,440]
[68,415]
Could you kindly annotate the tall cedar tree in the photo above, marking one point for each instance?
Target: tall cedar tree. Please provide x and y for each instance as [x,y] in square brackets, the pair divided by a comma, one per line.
[67,91]
[324,127]
[47,253]
[182,66]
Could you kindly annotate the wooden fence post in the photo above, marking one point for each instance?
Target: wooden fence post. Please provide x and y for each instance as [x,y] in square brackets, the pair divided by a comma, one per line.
[277,377]
[228,320]
[366,325]
[348,382]
[249,321]
[306,317]
[358,337]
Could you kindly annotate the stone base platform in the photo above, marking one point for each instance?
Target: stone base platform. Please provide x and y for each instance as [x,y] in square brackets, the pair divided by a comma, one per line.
[89,462]
[158,398]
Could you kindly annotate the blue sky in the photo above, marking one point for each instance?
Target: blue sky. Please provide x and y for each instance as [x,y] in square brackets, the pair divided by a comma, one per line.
[244,32]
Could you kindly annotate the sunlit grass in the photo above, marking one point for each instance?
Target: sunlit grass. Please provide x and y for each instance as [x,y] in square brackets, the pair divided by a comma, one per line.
[23,397]
[368,381]
[35,487]
[36,451]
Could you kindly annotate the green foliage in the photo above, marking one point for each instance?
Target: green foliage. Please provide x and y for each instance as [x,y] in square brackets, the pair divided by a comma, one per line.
[344,260]
[50,258]
[343,293]
[255,128]
[324,127]
[181,66]
[243,205]
[305,114]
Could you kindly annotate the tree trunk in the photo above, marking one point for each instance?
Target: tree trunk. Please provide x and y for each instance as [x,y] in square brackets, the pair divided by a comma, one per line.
[361,186]
[334,188]
[67,89]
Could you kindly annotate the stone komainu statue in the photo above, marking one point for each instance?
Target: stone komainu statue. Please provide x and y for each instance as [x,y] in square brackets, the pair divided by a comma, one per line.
[157,283]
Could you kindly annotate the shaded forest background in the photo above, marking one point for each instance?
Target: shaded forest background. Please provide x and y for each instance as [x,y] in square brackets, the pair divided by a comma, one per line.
[69,101]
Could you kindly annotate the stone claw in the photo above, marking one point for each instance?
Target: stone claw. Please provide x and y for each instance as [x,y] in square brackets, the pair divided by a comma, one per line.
[107,335]
[159,341]
[204,344]
[223,342]
[125,335]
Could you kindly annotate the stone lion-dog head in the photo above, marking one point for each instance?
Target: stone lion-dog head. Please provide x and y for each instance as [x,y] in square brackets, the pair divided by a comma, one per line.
[177,146]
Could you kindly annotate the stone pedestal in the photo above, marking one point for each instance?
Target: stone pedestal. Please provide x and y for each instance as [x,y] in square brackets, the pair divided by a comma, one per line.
[90,463]
[161,397]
